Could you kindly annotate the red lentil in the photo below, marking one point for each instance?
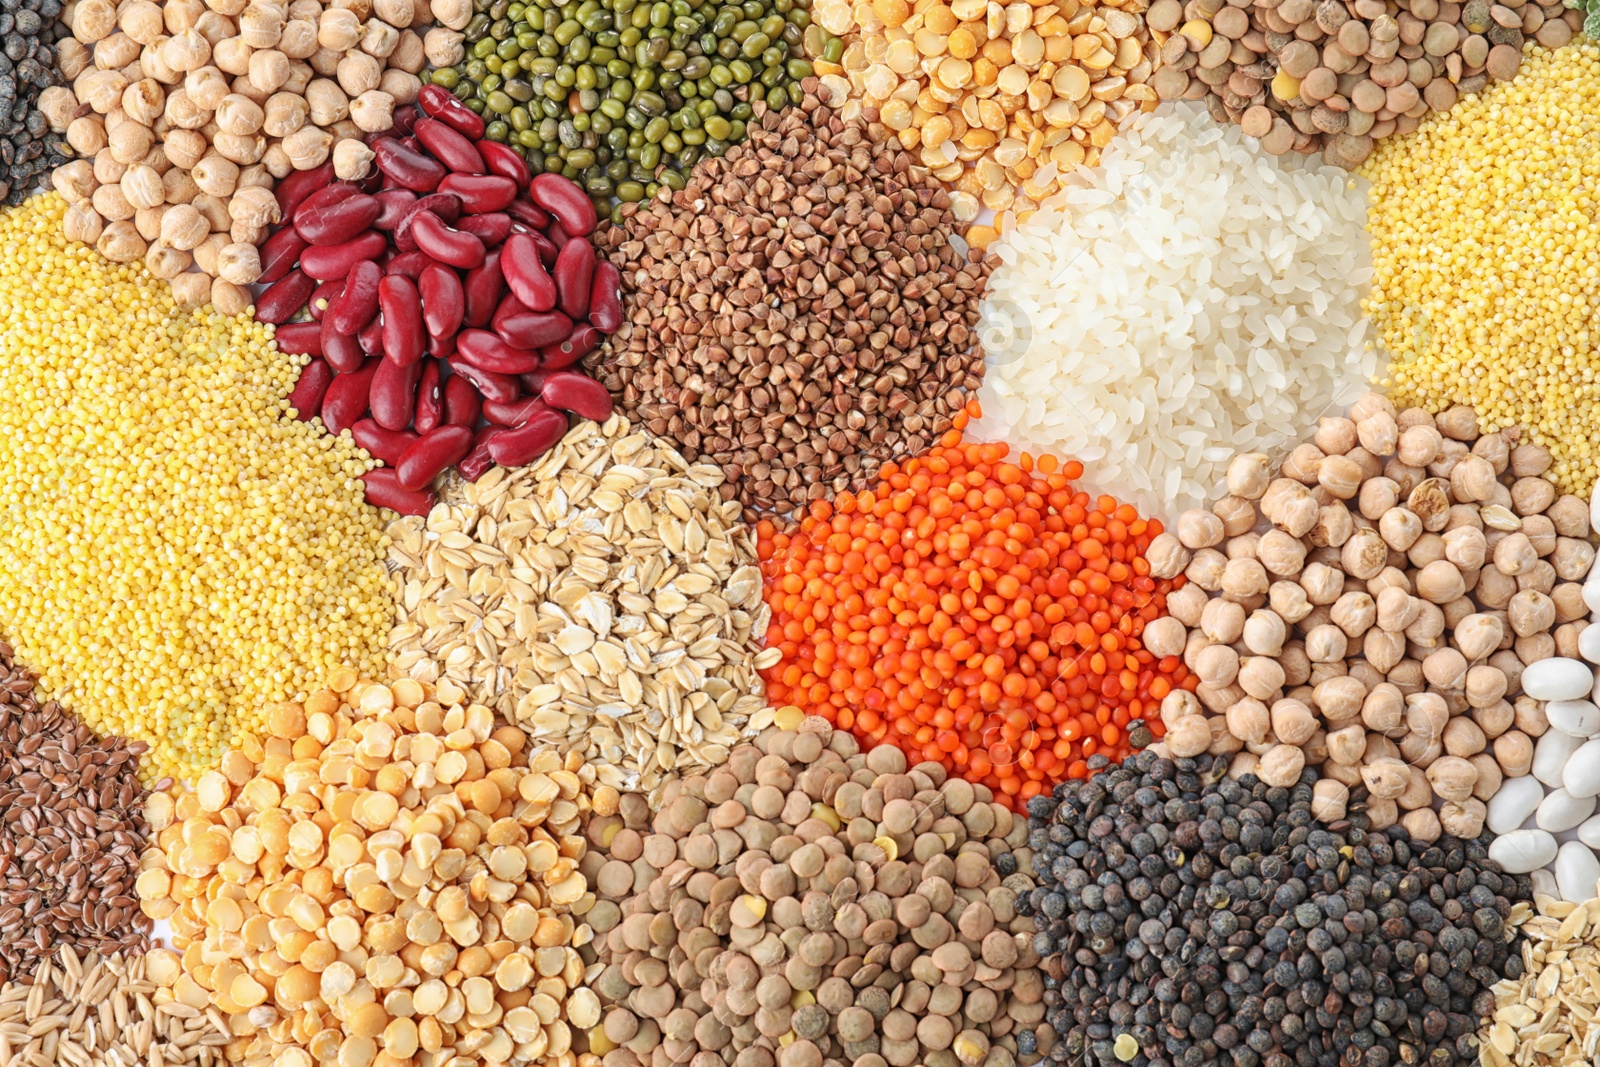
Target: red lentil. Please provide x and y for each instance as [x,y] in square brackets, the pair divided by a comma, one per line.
[973,611]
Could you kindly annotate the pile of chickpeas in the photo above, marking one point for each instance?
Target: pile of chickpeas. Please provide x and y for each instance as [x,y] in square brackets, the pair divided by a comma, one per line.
[185,113]
[1377,626]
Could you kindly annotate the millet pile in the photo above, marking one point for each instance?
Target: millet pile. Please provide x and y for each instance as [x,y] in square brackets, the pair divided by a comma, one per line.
[1188,918]
[802,311]
[811,903]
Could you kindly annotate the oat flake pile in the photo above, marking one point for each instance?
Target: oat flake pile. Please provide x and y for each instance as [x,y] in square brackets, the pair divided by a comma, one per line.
[606,599]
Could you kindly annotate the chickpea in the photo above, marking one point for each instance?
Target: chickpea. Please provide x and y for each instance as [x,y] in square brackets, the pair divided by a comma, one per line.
[1377,433]
[1494,718]
[1365,554]
[1531,612]
[1329,799]
[1400,528]
[1450,453]
[120,242]
[1494,448]
[1335,435]
[1199,529]
[401,87]
[443,47]
[1570,516]
[1334,526]
[1281,766]
[1386,777]
[1404,477]
[1515,554]
[1354,612]
[1458,423]
[1419,444]
[1238,515]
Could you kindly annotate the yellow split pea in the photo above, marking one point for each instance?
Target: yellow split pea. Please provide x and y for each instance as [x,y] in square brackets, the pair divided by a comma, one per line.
[178,553]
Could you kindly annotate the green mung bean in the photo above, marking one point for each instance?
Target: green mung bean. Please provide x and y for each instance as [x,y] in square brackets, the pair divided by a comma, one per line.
[620,94]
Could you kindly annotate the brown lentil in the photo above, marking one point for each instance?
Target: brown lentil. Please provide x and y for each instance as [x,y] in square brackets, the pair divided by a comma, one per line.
[801,312]
[873,920]
[1335,76]
[71,830]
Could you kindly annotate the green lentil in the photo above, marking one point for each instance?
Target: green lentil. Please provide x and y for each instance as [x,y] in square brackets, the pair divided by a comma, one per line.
[618,94]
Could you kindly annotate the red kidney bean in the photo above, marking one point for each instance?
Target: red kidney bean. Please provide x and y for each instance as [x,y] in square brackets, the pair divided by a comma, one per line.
[481,193]
[359,301]
[431,454]
[492,229]
[442,104]
[490,386]
[300,338]
[312,386]
[372,184]
[501,160]
[409,264]
[548,250]
[346,400]
[446,245]
[443,301]
[442,347]
[533,381]
[569,204]
[284,297]
[487,352]
[581,395]
[381,443]
[324,297]
[334,224]
[557,235]
[478,461]
[525,274]
[327,262]
[462,404]
[294,188]
[565,353]
[521,328]
[405,120]
[403,339]
[445,206]
[430,398]
[526,443]
[279,254]
[393,396]
[574,274]
[515,413]
[324,197]
[484,287]
[343,351]
[605,297]
[395,204]
[407,167]
[524,210]
[371,337]
[384,491]
[449,146]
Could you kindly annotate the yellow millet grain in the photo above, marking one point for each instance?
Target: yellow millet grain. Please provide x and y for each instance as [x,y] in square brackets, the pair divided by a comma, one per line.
[1486,253]
[178,554]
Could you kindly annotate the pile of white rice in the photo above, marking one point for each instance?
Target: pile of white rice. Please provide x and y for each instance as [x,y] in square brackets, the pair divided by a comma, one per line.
[1190,298]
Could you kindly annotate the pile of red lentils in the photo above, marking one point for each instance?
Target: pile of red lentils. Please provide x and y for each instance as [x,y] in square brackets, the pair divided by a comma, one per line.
[974,611]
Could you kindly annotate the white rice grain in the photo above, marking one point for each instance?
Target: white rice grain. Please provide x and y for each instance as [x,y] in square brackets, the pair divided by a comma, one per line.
[1190,298]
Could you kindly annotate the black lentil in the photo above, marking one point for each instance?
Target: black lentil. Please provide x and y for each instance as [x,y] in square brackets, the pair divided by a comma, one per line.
[1215,920]
[28,148]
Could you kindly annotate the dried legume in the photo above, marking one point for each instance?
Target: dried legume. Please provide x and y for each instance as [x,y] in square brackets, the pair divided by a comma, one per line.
[192,112]
[1485,291]
[31,96]
[71,830]
[418,879]
[1187,921]
[179,551]
[625,97]
[1001,101]
[1338,75]
[605,599]
[978,613]
[1380,637]
[799,314]
[811,903]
